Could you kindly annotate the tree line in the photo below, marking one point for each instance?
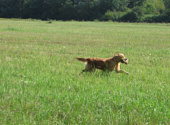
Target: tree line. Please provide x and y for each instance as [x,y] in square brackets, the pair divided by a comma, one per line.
[88,10]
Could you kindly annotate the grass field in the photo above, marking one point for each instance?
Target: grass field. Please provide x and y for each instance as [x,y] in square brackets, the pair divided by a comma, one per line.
[39,81]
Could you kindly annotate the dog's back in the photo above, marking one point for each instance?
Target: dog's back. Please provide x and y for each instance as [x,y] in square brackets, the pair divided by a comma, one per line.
[98,63]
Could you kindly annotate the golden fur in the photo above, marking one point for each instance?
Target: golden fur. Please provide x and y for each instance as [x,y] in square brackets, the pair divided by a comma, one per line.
[104,64]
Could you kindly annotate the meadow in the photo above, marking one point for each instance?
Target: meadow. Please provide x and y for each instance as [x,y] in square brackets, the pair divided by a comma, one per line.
[39,81]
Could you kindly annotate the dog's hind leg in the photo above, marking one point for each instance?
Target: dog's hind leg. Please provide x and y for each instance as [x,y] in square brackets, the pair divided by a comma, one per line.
[83,71]
[88,68]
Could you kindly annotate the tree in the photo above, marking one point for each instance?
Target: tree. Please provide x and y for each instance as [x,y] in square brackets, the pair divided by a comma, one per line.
[42,9]
[11,8]
[113,5]
[84,11]
[67,10]
[149,8]
[167,4]
[134,3]
[159,5]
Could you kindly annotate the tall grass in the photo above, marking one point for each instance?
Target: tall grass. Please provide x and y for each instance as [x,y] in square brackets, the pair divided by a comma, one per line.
[39,81]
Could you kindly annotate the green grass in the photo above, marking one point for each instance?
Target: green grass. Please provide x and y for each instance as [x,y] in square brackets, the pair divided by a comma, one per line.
[39,82]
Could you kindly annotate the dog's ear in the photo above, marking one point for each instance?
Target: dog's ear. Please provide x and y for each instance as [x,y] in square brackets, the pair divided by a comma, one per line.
[115,55]
[118,54]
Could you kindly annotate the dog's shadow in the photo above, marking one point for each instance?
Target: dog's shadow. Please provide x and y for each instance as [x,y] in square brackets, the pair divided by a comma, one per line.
[99,74]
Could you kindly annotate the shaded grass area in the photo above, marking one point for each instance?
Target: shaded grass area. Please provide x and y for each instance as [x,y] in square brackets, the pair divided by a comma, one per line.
[40,82]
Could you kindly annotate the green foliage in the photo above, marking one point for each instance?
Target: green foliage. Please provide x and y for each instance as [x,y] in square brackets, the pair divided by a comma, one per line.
[157,6]
[113,5]
[86,11]
[134,3]
[149,8]
[67,11]
[81,9]
[163,18]
[135,15]
[112,15]
[167,3]
[11,8]
[167,12]
[167,15]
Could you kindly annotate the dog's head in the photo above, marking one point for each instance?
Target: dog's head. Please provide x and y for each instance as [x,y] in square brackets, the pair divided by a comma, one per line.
[121,58]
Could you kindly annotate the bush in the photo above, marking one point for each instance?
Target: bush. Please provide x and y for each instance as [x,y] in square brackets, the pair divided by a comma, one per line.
[133,16]
[111,15]
[157,19]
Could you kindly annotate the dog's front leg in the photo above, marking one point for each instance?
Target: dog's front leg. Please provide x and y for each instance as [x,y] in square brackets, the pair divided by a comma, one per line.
[122,71]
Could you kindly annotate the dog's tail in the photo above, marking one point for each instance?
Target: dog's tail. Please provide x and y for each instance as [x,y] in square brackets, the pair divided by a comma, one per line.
[82,59]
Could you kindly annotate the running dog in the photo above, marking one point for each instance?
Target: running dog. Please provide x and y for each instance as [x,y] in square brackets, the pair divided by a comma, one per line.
[110,64]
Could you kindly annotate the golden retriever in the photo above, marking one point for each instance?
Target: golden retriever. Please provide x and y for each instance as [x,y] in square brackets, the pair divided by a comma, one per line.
[104,64]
